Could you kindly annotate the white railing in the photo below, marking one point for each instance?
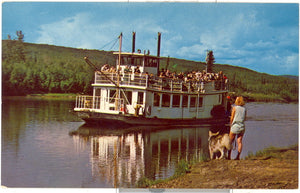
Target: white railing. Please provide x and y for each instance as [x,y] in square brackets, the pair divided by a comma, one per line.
[84,102]
[125,79]
[96,102]
[143,80]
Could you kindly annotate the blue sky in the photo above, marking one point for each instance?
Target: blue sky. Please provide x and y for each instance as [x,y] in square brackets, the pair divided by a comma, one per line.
[259,36]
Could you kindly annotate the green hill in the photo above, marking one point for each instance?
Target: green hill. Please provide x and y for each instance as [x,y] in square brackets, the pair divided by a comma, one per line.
[36,68]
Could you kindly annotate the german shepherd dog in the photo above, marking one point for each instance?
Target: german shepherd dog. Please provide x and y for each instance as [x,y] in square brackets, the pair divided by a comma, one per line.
[218,144]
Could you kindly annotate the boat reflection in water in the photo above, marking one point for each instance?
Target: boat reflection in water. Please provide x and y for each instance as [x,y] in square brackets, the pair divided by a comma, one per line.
[121,156]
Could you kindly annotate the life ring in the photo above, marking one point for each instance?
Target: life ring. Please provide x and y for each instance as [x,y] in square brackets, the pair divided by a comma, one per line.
[124,109]
[148,110]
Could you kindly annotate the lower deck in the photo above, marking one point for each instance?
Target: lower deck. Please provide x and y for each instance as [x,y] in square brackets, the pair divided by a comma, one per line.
[152,104]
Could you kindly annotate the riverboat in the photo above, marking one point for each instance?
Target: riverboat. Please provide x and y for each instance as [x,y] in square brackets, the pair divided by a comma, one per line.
[138,94]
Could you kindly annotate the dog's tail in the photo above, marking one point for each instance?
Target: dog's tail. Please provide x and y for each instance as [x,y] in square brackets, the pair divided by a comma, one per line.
[226,142]
[211,134]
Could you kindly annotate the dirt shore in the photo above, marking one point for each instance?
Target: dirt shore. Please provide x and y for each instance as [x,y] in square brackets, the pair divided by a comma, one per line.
[276,169]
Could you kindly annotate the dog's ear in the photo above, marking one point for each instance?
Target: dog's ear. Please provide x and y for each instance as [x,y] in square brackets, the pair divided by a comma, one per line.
[209,133]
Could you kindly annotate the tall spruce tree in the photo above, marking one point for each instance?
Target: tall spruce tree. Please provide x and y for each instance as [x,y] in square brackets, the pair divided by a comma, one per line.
[210,60]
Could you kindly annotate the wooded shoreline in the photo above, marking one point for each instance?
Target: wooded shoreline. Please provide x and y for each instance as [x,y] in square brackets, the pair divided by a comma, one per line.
[43,69]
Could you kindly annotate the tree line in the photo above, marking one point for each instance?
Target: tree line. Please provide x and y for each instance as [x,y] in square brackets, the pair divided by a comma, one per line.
[36,68]
[33,68]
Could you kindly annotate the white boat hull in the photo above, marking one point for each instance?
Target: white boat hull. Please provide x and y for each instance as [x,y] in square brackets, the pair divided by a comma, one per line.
[102,118]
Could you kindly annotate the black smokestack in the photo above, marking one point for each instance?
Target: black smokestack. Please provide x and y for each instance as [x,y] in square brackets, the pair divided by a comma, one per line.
[133,42]
[158,44]
[158,51]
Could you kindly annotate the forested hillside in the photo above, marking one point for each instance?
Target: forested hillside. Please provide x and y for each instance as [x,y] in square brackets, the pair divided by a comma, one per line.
[36,68]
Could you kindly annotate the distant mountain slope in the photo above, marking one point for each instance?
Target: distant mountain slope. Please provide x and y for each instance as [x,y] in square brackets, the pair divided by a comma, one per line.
[291,77]
[38,68]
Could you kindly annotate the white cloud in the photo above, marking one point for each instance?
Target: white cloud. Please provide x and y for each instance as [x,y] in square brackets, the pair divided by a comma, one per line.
[81,31]
[73,31]
[290,63]
[238,39]
[194,51]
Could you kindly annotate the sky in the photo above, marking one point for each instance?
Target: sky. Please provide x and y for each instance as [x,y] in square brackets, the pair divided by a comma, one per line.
[260,36]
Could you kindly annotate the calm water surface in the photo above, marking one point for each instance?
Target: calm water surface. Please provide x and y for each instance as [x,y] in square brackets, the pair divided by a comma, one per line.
[45,145]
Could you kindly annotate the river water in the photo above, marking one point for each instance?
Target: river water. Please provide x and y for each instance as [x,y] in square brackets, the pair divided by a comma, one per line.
[44,144]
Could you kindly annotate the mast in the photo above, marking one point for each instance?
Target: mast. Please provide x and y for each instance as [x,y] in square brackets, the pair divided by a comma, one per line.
[118,74]
[119,61]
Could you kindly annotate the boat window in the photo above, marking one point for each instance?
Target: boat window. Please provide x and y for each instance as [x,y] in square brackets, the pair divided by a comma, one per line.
[122,61]
[126,60]
[154,63]
[165,100]
[130,61]
[156,100]
[127,97]
[147,62]
[140,98]
[176,100]
[98,92]
[185,99]
[138,61]
[112,96]
[200,102]
[150,62]
[192,101]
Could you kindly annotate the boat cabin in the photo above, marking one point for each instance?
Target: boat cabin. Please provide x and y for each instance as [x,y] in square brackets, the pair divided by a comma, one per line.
[146,63]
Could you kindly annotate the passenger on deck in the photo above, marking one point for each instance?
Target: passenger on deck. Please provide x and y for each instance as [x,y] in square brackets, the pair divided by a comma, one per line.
[162,75]
[105,68]
[112,69]
[127,69]
[168,73]
[137,70]
[162,72]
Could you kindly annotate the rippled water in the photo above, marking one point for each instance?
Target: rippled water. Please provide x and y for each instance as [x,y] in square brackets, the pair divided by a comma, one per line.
[45,145]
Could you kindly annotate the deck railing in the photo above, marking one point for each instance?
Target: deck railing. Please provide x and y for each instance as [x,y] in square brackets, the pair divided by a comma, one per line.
[125,79]
[143,80]
[97,102]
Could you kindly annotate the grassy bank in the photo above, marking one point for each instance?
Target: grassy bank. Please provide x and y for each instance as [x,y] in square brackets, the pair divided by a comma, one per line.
[259,97]
[182,168]
[272,152]
[54,95]
[267,169]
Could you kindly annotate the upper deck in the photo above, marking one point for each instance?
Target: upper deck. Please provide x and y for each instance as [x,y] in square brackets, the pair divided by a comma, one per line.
[145,81]
[141,71]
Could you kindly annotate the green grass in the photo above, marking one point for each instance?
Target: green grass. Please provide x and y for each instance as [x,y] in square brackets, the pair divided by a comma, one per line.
[182,168]
[55,95]
[270,152]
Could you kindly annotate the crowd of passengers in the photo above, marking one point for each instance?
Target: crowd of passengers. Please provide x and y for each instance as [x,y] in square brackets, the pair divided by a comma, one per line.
[112,69]
[193,76]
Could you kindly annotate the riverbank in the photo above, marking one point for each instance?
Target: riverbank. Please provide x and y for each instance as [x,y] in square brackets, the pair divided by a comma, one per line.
[260,97]
[272,168]
[54,95]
